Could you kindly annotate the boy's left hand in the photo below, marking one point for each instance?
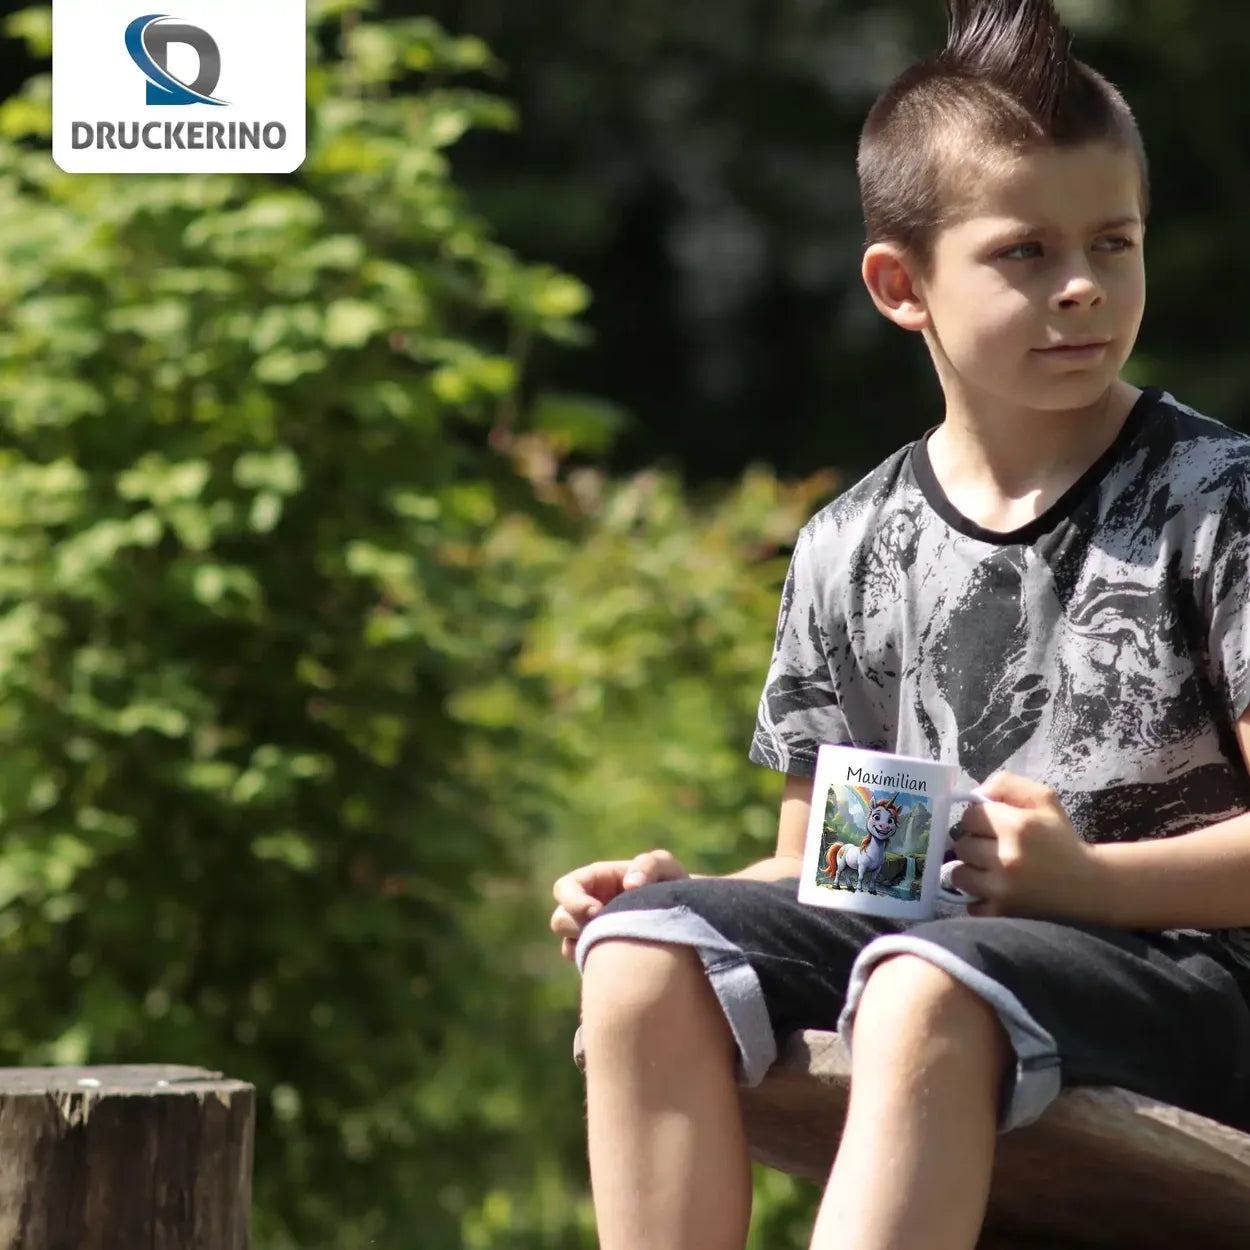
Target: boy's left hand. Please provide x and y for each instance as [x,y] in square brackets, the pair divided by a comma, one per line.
[1022,857]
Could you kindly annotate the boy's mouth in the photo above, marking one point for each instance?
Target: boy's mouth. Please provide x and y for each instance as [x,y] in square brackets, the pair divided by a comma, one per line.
[1076,345]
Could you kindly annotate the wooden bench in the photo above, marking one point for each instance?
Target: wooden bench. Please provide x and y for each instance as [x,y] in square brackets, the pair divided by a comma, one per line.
[1101,1168]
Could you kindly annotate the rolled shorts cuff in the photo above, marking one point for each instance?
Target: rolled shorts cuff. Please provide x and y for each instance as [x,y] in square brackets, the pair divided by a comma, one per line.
[733,980]
[1037,1078]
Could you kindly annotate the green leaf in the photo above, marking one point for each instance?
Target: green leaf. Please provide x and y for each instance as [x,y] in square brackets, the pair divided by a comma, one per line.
[579,422]
[277,471]
[557,295]
[283,368]
[156,479]
[352,323]
[290,848]
[34,27]
[158,717]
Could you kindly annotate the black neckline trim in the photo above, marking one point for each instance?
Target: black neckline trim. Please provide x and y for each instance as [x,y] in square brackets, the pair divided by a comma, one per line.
[926,479]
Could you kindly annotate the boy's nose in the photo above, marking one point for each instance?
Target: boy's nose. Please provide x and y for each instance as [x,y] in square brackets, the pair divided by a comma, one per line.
[1080,291]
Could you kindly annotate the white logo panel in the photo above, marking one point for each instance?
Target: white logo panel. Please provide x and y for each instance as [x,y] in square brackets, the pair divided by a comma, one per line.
[209,86]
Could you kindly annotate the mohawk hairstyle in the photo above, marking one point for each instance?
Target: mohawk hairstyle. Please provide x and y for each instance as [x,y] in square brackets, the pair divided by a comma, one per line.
[1005,83]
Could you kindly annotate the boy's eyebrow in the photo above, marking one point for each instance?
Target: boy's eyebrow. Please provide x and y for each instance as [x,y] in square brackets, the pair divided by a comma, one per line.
[1115,223]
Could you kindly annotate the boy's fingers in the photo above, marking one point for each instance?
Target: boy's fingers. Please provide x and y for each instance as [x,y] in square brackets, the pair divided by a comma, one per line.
[652,866]
[563,924]
[568,948]
[971,880]
[1018,791]
[976,822]
[642,868]
[979,853]
[584,891]
[580,895]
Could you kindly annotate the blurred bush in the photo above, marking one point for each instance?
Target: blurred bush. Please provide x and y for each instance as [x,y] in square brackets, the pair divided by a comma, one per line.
[318,660]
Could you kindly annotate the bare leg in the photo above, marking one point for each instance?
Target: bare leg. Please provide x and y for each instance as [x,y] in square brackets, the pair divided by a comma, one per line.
[669,1167]
[913,1168]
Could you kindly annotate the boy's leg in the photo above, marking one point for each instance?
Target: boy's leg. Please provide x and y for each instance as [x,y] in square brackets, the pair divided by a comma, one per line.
[1158,1014]
[687,985]
[668,1157]
[913,1167]
[1162,1014]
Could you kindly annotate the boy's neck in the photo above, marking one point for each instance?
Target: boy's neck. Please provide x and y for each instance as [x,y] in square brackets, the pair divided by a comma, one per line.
[1003,469]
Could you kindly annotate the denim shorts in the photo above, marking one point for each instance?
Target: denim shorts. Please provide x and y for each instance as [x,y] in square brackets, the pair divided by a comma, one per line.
[1166,1015]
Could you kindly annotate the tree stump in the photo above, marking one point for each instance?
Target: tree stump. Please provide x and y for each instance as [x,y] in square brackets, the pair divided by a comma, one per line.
[1102,1167]
[145,1157]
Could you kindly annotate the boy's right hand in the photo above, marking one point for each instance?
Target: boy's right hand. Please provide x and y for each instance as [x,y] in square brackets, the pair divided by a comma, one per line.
[581,894]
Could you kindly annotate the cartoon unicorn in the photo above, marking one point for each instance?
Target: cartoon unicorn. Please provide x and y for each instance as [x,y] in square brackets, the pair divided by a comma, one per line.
[868,858]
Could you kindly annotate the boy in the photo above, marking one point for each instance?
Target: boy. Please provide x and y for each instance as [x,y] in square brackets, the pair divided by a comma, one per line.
[1048,590]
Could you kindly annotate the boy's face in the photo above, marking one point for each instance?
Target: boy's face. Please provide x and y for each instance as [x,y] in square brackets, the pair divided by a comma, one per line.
[1048,252]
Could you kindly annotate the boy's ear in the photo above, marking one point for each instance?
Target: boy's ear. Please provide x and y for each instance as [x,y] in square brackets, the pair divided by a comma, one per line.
[889,276]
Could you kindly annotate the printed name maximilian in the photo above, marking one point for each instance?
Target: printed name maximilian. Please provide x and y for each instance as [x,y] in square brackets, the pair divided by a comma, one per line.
[893,781]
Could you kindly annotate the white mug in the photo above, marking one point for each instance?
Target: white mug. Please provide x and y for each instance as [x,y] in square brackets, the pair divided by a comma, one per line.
[878,832]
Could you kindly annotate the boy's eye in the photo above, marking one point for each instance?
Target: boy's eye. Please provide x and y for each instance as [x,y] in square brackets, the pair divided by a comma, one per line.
[1017,251]
[1030,251]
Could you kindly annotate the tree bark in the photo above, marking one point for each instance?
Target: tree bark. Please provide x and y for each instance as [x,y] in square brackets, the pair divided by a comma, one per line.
[148,1157]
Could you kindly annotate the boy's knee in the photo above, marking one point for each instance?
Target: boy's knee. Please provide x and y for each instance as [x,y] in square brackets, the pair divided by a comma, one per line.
[633,988]
[911,1002]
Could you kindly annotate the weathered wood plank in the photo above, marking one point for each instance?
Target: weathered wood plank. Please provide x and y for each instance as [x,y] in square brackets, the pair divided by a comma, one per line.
[1102,1167]
[148,1157]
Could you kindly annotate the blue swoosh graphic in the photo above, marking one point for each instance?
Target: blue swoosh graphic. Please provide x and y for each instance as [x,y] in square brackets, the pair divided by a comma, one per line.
[169,88]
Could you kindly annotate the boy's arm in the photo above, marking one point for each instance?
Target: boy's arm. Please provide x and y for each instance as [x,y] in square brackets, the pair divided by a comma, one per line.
[796,803]
[1198,880]
[1023,858]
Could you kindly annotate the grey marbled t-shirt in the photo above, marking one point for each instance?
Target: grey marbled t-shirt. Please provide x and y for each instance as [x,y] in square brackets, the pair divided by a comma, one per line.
[1103,649]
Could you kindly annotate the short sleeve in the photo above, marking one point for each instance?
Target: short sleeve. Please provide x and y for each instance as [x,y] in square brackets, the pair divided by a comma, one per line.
[798,709]
[1228,604]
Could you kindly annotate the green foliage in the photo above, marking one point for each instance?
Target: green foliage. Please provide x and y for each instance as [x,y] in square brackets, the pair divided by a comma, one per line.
[243,566]
[653,642]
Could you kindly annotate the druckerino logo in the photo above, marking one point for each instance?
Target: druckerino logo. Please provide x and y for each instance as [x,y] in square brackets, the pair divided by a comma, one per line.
[148,39]
[148,86]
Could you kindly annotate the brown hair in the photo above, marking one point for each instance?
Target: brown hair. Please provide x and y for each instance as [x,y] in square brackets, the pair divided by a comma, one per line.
[1006,82]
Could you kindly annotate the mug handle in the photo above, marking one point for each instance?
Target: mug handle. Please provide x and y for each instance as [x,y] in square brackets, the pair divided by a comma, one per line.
[946,891]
